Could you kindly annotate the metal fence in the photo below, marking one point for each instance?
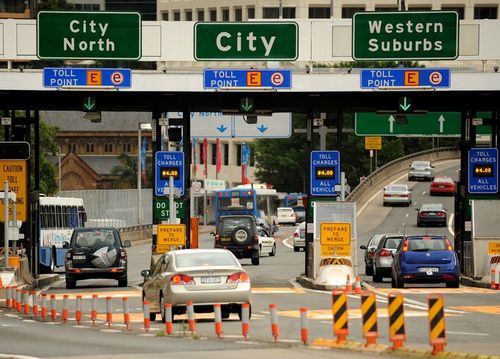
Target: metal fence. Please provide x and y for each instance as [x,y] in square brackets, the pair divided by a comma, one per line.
[115,207]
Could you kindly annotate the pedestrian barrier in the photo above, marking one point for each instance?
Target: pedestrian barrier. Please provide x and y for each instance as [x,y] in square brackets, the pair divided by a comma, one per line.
[147,318]
[437,328]
[168,318]
[93,311]
[218,320]
[340,319]
[396,314]
[369,316]
[304,326]
[44,306]
[53,309]
[78,310]
[126,313]
[190,314]
[275,330]
[34,296]
[109,311]
[245,319]
[65,311]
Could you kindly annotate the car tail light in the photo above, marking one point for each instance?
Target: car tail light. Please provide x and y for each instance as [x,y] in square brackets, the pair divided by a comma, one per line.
[384,253]
[427,238]
[403,195]
[423,214]
[217,237]
[448,245]
[405,246]
[371,253]
[386,195]
[179,279]
[237,277]
[295,235]
[123,254]
[441,214]
[256,239]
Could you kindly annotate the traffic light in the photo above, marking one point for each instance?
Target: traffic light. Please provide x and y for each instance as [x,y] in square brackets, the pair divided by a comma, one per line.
[247,105]
[405,105]
[14,150]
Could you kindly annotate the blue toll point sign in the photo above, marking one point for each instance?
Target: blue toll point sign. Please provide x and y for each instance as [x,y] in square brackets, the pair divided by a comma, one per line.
[483,170]
[82,77]
[217,78]
[410,77]
[169,163]
[325,172]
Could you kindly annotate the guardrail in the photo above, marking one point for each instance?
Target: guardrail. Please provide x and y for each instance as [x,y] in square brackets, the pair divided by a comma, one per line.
[400,165]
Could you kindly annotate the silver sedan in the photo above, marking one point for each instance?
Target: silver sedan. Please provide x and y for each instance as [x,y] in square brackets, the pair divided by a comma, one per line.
[397,194]
[203,276]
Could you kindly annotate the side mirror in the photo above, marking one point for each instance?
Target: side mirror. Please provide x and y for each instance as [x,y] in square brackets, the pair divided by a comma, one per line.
[127,243]
[363,247]
[66,245]
[212,234]
[145,273]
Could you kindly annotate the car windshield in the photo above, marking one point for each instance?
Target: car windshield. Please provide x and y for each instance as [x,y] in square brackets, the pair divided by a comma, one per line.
[228,225]
[423,245]
[420,164]
[298,209]
[95,239]
[432,207]
[204,259]
[396,188]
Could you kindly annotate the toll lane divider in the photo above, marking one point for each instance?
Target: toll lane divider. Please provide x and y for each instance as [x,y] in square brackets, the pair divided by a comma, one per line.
[437,332]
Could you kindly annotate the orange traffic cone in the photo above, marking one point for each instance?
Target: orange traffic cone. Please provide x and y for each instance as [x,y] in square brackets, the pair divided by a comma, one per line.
[348,286]
[1,284]
[357,286]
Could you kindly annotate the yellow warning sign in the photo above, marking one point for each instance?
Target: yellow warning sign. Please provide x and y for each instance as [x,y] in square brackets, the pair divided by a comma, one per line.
[14,171]
[373,143]
[493,248]
[169,235]
[335,233]
[337,250]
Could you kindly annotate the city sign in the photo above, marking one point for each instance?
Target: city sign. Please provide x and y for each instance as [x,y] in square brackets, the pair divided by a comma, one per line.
[169,164]
[412,35]
[227,78]
[325,172]
[410,77]
[89,35]
[162,208]
[246,41]
[82,77]
[442,124]
[483,170]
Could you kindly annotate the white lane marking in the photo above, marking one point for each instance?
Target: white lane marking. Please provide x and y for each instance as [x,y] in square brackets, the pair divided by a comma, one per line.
[423,193]
[467,333]
[285,242]
[407,215]
[450,224]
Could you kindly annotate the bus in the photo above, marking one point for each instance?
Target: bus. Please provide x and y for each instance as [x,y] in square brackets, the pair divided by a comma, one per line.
[57,217]
[257,200]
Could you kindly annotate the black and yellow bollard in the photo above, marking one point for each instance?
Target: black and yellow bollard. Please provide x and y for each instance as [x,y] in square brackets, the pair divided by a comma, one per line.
[397,333]
[437,327]
[369,316]
[340,320]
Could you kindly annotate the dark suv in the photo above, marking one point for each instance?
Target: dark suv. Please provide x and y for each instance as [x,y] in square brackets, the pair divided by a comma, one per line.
[96,252]
[238,233]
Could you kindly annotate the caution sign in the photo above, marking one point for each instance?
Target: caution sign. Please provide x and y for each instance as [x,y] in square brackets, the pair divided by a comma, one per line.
[170,235]
[15,172]
[493,248]
[335,239]
[373,143]
[336,250]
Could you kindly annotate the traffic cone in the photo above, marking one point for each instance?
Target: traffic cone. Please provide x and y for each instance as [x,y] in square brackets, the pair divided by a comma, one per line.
[357,286]
[1,284]
[348,286]
[493,285]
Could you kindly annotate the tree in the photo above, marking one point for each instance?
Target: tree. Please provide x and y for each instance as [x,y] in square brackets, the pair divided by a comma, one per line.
[48,171]
[54,5]
[126,172]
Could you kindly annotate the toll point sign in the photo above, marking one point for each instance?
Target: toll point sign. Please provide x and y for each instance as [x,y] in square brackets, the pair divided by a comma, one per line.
[335,239]
[54,77]
[15,172]
[407,77]
[170,235]
[221,78]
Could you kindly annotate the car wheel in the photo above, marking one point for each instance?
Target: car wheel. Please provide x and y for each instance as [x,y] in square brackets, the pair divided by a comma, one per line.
[225,313]
[398,282]
[249,312]
[393,282]
[122,282]
[296,249]
[368,270]
[255,261]
[384,204]
[260,250]
[377,278]
[273,251]
[70,283]
[419,224]
[454,284]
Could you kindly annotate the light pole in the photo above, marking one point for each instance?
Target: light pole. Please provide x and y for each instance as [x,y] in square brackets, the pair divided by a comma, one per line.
[142,126]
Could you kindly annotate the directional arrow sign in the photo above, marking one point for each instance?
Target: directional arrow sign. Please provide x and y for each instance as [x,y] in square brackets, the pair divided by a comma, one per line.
[247,105]
[262,128]
[222,128]
[279,125]
[404,104]
[89,104]
[443,124]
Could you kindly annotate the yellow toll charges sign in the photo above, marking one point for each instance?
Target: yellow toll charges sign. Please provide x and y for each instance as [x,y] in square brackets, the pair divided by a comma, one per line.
[14,171]
[170,235]
[335,239]
[493,248]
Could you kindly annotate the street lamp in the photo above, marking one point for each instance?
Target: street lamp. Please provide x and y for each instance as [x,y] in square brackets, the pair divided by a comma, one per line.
[143,126]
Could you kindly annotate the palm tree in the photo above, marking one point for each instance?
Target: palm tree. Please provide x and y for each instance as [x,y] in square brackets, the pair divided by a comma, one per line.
[127,172]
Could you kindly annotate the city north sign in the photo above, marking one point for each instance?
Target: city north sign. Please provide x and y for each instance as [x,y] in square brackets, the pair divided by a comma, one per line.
[246,41]
[89,35]
[413,35]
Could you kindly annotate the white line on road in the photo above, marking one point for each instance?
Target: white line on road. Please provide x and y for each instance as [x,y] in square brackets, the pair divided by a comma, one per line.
[450,224]
[285,242]
[468,333]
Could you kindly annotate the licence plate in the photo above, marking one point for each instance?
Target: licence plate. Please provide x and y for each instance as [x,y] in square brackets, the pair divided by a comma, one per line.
[442,186]
[210,280]
[82,257]
[429,271]
[225,239]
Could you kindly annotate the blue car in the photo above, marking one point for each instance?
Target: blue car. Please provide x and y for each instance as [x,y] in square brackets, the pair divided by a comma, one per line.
[425,259]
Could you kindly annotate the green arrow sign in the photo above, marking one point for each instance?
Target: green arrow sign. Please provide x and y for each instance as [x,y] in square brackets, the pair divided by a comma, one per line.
[89,104]
[441,124]
[162,210]
[404,104]
[247,105]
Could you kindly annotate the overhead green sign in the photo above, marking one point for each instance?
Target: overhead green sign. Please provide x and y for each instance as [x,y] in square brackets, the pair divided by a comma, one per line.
[406,35]
[246,41]
[162,209]
[89,35]
[440,124]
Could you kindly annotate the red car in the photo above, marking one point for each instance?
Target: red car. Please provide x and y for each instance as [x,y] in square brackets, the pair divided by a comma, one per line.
[442,185]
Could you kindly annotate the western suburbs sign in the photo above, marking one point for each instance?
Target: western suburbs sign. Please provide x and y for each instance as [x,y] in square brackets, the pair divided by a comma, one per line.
[414,35]
[246,41]
[89,35]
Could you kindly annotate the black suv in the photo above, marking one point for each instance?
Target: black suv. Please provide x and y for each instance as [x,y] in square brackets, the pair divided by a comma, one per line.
[238,233]
[96,252]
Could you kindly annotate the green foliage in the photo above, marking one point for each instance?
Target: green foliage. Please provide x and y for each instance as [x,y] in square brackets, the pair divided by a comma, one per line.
[127,172]
[48,147]
[54,5]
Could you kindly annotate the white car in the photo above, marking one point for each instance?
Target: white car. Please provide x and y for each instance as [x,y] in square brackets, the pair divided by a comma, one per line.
[299,237]
[397,194]
[421,170]
[267,244]
[286,215]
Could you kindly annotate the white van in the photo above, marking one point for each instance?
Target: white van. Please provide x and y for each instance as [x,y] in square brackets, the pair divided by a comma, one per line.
[286,215]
